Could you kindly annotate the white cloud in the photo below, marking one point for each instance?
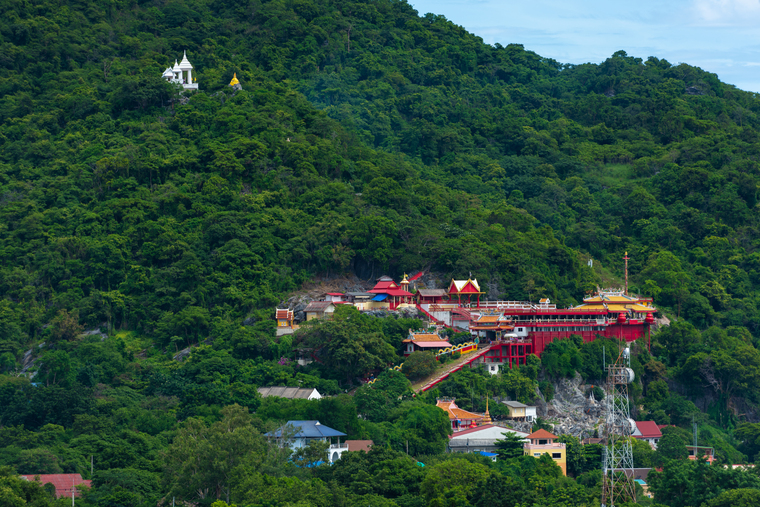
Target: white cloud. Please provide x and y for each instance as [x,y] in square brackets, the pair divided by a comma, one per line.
[727,12]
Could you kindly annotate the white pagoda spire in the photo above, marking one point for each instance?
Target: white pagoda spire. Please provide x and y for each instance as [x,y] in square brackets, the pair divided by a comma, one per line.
[182,73]
[185,66]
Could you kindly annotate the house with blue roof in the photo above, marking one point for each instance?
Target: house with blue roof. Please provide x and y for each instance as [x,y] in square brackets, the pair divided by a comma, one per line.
[298,434]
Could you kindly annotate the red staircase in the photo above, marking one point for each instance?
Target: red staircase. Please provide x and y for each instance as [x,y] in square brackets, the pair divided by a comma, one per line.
[455,367]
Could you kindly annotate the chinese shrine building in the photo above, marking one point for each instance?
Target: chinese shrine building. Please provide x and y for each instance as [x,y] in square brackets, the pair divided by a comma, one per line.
[461,419]
[424,341]
[388,291]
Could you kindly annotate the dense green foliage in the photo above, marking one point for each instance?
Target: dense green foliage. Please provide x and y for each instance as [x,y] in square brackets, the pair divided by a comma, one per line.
[366,140]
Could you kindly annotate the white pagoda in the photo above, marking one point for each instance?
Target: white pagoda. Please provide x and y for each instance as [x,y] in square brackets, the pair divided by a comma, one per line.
[181,73]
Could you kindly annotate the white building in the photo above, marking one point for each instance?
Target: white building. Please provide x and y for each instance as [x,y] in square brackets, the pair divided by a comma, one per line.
[181,73]
[480,439]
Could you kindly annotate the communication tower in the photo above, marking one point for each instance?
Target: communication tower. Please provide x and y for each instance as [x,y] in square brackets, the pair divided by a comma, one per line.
[617,456]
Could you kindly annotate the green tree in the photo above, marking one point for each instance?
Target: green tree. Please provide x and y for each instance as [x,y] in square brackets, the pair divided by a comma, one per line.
[419,365]
[452,482]
[345,346]
[202,460]
[744,497]
[574,453]
[672,446]
[511,446]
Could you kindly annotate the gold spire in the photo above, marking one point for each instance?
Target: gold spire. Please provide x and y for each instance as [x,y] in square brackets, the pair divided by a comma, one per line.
[487,417]
[234,80]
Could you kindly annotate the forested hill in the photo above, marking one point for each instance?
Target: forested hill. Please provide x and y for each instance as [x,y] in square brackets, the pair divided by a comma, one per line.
[367,139]
[442,151]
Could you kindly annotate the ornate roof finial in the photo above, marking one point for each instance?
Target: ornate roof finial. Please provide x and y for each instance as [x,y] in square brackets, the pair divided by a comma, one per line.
[234,80]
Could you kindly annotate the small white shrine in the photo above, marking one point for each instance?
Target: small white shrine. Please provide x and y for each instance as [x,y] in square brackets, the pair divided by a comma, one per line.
[181,73]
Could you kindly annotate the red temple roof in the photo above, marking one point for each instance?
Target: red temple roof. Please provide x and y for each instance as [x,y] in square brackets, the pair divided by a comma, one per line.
[468,286]
[64,483]
[391,292]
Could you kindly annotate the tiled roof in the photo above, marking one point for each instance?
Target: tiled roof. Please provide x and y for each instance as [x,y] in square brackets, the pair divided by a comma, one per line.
[310,429]
[541,434]
[391,292]
[436,344]
[284,314]
[455,412]
[318,306]
[461,284]
[291,393]
[385,284]
[426,337]
[514,404]
[359,445]
[488,318]
[428,293]
[64,483]
[469,431]
[648,429]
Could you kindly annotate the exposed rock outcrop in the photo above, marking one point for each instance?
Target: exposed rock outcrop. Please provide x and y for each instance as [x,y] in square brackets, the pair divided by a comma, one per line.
[570,412]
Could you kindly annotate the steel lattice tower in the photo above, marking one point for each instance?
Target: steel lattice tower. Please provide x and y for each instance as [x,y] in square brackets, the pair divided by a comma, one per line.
[617,457]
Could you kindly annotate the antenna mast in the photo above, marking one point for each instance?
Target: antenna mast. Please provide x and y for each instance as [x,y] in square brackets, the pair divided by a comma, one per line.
[617,456]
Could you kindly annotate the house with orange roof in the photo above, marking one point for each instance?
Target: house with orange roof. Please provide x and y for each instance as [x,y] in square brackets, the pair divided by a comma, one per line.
[424,341]
[461,419]
[542,442]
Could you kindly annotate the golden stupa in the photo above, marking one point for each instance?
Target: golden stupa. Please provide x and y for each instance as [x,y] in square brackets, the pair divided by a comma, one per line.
[234,80]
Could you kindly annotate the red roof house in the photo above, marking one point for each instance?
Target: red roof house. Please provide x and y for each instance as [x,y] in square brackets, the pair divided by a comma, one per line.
[65,484]
[648,431]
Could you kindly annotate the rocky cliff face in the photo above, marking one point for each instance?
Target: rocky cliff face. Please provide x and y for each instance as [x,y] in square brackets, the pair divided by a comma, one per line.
[570,411]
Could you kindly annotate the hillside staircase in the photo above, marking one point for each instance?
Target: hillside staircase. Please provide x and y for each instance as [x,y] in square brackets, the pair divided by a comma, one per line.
[456,366]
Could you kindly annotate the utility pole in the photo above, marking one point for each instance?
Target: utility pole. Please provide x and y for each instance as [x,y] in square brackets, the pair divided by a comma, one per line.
[626,273]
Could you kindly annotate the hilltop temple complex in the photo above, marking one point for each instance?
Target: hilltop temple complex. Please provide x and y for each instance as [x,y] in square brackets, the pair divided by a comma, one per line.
[509,330]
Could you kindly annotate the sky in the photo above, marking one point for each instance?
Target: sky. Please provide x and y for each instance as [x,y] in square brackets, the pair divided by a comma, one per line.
[719,36]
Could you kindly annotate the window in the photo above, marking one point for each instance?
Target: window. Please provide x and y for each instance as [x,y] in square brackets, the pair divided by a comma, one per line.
[556,455]
[536,454]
